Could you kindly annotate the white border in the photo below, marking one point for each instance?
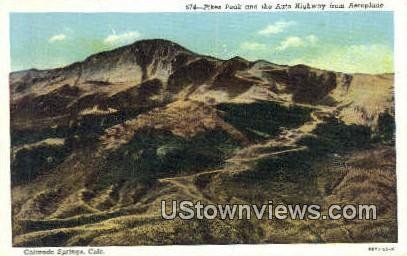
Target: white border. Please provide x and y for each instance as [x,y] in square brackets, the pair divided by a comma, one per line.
[400,15]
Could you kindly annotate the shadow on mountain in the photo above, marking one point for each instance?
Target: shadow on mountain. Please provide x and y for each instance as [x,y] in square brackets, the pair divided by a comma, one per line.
[153,154]
[334,136]
[263,119]
[30,162]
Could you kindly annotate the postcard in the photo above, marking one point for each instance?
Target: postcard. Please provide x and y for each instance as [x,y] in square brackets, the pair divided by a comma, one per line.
[207,126]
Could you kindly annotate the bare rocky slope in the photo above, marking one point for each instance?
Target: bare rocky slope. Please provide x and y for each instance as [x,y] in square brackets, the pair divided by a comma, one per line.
[98,144]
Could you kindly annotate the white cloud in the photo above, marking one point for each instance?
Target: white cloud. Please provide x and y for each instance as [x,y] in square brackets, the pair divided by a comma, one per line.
[57,38]
[276,27]
[295,42]
[252,46]
[290,42]
[374,58]
[312,39]
[124,38]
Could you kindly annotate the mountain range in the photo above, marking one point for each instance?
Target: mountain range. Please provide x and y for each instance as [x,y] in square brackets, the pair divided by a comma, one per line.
[98,144]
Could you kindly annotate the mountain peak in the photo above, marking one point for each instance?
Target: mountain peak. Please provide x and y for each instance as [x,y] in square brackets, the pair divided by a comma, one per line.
[145,47]
[156,43]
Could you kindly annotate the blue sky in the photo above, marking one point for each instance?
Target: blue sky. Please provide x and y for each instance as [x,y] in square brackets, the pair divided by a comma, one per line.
[341,41]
